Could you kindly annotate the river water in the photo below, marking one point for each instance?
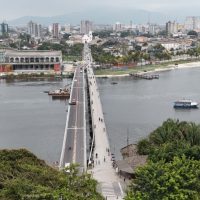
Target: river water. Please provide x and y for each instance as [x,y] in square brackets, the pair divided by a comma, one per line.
[133,108]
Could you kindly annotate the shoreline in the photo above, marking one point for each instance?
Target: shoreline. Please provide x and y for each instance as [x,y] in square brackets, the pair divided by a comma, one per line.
[161,69]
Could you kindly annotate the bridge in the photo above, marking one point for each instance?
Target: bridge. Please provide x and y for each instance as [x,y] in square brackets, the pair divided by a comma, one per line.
[85,139]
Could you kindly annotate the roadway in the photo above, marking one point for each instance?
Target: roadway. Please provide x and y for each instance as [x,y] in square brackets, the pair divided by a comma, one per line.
[74,143]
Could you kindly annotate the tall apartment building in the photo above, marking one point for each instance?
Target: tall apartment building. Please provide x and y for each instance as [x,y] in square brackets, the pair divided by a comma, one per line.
[153,29]
[67,28]
[192,23]
[171,28]
[3,29]
[86,27]
[34,29]
[117,27]
[55,30]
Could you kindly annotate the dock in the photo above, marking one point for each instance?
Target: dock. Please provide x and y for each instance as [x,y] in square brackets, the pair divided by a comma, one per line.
[145,76]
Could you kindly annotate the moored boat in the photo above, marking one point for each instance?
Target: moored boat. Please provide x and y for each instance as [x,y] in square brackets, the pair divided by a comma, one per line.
[185,103]
[114,83]
[61,93]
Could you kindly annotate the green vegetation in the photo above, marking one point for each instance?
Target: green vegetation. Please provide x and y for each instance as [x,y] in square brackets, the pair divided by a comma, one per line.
[176,180]
[24,177]
[102,34]
[100,56]
[193,33]
[73,52]
[173,168]
[32,76]
[166,65]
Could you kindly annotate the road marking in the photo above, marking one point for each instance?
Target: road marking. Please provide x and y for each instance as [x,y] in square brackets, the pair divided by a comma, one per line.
[78,87]
[75,128]
[75,132]
[122,193]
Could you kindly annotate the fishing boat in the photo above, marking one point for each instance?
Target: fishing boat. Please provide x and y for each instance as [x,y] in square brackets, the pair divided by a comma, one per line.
[114,83]
[185,103]
[61,93]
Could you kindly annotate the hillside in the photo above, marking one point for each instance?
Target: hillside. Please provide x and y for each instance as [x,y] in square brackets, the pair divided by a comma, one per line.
[24,176]
[108,16]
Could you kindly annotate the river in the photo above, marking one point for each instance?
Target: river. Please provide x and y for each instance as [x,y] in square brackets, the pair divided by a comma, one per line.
[133,108]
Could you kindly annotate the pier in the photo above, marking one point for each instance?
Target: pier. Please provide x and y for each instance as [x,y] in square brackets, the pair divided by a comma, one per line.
[145,76]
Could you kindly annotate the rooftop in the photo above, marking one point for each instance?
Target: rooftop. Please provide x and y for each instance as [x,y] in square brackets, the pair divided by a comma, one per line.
[16,53]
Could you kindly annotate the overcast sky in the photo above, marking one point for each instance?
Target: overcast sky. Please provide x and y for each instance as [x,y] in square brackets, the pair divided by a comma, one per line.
[11,9]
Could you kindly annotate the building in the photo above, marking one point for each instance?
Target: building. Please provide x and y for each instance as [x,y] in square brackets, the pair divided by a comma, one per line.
[117,27]
[86,27]
[153,29]
[13,60]
[171,28]
[34,29]
[192,23]
[55,30]
[3,29]
[67,28]
[87,38]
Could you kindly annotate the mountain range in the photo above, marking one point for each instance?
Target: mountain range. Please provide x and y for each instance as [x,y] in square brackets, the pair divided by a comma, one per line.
[98,16]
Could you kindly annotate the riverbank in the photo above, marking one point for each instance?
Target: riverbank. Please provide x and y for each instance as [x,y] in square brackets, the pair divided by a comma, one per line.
[108,73]
[35,76]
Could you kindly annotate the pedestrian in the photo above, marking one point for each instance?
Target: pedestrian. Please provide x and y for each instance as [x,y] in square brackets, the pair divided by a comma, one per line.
[96,155]
[124,179]
[104,159]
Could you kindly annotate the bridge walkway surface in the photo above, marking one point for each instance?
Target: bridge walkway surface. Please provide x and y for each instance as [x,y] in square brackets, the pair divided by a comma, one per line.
[102,170]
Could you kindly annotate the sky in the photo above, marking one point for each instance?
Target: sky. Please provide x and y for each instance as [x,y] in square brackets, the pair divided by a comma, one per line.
[11,9]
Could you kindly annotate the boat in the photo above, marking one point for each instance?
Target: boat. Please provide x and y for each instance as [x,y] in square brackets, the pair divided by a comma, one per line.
[114,83]
[61,93]
[184,103]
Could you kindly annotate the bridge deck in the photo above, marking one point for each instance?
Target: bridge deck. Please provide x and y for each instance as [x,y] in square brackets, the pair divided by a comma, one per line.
[74,142]
[102,171]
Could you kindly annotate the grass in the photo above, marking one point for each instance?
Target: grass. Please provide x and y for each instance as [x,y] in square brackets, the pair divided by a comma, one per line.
[140,68]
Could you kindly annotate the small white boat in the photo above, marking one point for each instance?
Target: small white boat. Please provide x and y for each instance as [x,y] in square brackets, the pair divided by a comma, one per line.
[185,103]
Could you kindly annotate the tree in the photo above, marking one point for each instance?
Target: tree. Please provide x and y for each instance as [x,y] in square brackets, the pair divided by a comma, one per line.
[179,179]
[66,36]
[23,176]
[193,33]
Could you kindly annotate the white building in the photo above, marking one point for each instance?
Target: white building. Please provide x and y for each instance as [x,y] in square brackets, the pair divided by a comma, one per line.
[67,28]
[87,38]
[34,29]
[171,28]
[86,27]
[171,45]
[192,23]
[117,27]
[153,29]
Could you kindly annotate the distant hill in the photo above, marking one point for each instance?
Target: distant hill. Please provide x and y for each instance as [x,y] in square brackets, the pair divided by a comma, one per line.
[98,15]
